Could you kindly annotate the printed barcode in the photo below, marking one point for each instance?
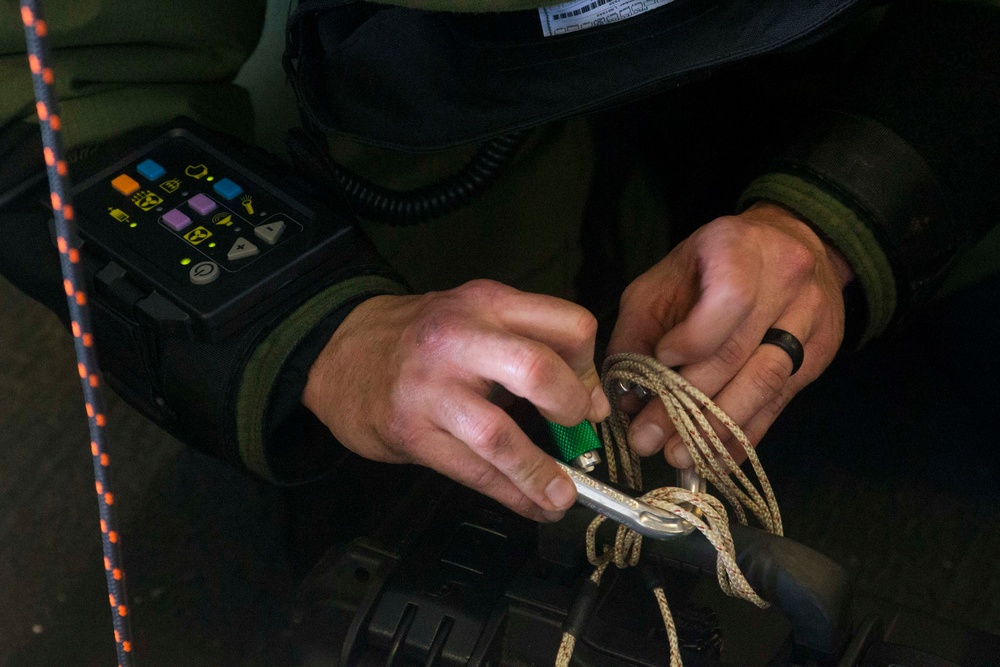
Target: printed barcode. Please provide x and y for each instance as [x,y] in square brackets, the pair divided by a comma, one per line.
[582,10]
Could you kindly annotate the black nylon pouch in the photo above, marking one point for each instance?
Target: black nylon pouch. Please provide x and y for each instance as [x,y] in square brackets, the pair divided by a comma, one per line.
[418,80]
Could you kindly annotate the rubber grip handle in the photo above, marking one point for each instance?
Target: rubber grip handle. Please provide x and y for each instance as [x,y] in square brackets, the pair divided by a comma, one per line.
[812,591]
[575,441]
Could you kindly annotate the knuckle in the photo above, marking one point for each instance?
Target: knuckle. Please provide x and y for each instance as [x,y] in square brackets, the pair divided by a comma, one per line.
[528,470]
[770,376]
[632,295]
[402,430]
[797,262]
[435,331]
[533,369]
[732,353]
[485,479]
[728,227]
[492,438]
[584,330]
[482,289]
[737,295]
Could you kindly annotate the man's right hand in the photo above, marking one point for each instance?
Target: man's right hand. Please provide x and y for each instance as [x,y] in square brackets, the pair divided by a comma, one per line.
[406,380]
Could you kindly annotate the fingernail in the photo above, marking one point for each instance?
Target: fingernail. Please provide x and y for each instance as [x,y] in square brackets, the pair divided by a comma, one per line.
[553,516]
[599,401]
[647,439]
[561,493]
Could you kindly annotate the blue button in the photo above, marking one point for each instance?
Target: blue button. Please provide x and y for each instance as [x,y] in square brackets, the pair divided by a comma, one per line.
[227,189]
[150,170]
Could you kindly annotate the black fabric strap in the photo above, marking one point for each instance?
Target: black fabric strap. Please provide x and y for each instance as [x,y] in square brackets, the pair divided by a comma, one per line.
[305,445]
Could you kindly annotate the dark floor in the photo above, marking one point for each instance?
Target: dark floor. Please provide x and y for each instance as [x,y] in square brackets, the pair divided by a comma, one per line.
[888,465]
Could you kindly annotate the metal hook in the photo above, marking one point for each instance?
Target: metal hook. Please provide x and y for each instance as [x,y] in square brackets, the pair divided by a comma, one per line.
[640,516]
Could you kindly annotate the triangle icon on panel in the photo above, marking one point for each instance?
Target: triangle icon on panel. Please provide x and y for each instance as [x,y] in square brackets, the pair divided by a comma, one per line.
[270,232]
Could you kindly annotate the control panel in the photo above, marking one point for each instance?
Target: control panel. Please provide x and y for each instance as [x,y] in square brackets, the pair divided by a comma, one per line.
[202,229]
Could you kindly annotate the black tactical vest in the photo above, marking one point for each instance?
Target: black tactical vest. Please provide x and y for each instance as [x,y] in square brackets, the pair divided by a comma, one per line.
[420,80]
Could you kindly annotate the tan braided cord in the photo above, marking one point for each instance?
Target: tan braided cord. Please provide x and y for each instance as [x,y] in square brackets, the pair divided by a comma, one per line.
[686,406]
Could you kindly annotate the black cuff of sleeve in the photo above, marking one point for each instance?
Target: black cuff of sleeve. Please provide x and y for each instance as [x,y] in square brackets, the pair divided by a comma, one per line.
[892,189]
[276,439]
[308,449]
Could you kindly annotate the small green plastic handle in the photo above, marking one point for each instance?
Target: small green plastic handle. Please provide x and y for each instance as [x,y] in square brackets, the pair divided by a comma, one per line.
[575,441]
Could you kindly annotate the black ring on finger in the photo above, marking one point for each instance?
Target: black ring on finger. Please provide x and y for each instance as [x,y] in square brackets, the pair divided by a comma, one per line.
[788,343]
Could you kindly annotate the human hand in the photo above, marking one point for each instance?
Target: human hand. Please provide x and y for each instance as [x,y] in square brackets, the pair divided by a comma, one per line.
[405,379]
[706,307]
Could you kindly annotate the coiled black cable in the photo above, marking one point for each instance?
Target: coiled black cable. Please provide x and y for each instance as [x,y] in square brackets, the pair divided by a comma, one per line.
[47,105]
[410,207]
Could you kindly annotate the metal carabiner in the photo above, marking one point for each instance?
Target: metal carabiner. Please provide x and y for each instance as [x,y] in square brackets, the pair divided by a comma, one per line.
[640,516]
[580,445]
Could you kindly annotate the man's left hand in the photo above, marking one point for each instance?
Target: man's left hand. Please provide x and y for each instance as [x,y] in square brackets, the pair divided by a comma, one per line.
[705,308]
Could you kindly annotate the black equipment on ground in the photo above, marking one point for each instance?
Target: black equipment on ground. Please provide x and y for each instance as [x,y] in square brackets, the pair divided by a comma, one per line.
[457,580]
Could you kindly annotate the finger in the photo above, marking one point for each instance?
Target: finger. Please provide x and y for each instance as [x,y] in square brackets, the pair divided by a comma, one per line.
[758,425]
[766,376]
[635,332]
[655,302]
[754,430]
[490,433]
[568,329]
[729,293]
[451,457]
[533,371]
[650,428]
[711,375]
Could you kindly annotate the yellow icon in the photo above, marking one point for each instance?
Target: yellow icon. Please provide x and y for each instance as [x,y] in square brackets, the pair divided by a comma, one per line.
[146,199]
[196,171]
[223,219]
[171,186]
[197,235]
[248,203]
[118,214]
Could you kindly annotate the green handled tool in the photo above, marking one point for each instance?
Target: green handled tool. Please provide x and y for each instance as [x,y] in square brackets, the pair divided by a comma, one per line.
[579,448]
[578,445]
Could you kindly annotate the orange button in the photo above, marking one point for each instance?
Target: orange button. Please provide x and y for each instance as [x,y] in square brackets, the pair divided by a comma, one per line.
[125,184]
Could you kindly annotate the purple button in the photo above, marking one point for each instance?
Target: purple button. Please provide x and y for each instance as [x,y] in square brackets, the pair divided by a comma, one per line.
[176,220]
[203,204]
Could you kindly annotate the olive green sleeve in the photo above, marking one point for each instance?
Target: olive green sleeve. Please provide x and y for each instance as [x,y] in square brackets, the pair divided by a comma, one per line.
[264,446]
[121,64]
[900,170]
[844,229]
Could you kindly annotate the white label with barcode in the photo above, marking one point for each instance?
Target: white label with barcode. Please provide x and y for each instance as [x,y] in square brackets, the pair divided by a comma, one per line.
[582,14]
